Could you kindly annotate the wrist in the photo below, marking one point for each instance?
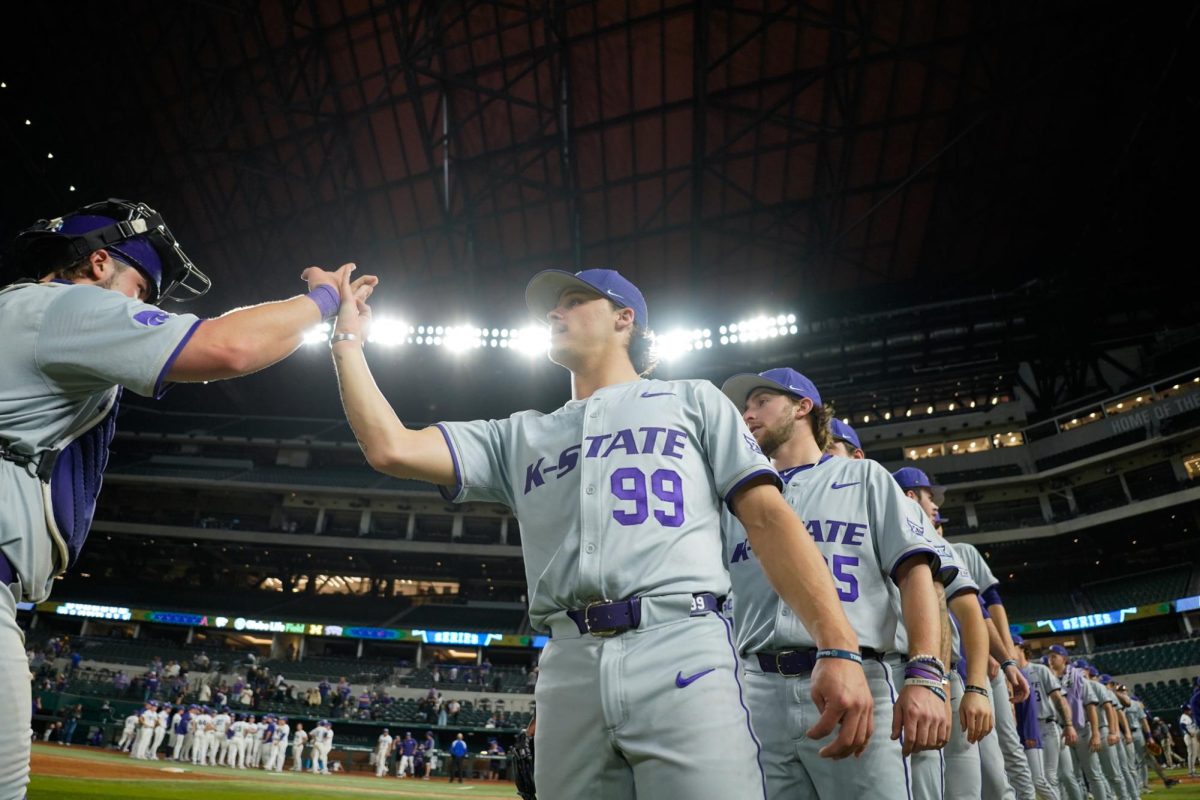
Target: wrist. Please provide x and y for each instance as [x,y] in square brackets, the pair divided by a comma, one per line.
[327,300]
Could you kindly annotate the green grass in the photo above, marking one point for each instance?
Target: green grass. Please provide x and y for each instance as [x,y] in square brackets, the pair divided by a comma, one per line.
[139,779]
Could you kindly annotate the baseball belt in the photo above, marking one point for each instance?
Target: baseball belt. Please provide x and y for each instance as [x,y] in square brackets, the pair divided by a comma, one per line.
[801,662]
[606,618]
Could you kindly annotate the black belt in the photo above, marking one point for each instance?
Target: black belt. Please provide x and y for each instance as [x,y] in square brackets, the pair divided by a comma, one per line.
[44,461]
[8,575]
[801,662]
[609,618]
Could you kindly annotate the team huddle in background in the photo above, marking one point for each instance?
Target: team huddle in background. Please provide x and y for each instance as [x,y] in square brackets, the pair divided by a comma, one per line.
[205,736]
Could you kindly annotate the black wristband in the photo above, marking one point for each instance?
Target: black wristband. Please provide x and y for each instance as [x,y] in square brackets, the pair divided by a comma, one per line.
[1008,662]
[976,689]
[849,655]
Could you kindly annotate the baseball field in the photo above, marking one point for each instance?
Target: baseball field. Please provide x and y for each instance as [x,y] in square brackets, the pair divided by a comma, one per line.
[60,773]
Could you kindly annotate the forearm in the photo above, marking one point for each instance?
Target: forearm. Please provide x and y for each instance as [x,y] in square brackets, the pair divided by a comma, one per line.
[794,566]
[1000,618]
[1065,708]
[1093,719]
[1114,727]
[923,614]
[996,646]
[947,640]
[974,637]
[386,443]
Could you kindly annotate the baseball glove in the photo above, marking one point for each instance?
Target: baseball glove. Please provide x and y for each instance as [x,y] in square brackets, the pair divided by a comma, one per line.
[522,761]
[1154,749]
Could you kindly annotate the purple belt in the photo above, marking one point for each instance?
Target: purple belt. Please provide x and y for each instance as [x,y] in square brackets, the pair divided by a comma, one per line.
[800,662]
[610,618]
[7,573]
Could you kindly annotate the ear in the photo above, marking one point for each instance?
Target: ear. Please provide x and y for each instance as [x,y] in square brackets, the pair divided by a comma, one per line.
[625,318]
[804,407]
[99,262]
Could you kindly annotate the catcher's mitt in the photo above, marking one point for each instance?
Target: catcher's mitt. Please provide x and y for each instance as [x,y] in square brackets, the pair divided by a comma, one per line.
[1154,749]
[522,761]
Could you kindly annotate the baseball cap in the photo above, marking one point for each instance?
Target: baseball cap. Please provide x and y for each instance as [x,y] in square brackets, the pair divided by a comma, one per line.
[842,430]
[1106,678]
[1058,649]
[1017,639]
[913,478]
[781,379]
[544,289]
[1093,672]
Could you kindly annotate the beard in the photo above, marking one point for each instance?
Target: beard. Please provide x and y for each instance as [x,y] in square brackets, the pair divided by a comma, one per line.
[774,438]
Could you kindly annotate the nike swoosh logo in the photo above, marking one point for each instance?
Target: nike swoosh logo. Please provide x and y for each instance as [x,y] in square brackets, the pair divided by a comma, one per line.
[837,485]
[614,294]
[656,394]
[683,682]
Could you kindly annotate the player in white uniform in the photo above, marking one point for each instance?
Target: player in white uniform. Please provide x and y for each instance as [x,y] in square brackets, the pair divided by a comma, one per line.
[383,747]
[952,772]
[219,749]
[1110,739]
[1051,706]
[74,334]
[146,723]
[279,743]
[128,734]
[172,736]
[298,740]
[237,745]
[855,515]
[160,730]
[202,736]
[322,739]
[1124,747]
[619,495]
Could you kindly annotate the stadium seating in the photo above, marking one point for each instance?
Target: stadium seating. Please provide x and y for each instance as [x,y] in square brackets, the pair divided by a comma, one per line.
[1147,587]
[1027,604]
[1149,659]
[463,617]
[1095,448]
[948,477]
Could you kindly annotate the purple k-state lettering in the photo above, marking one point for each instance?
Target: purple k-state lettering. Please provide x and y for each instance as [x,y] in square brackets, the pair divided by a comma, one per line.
[741,551]
[533,475]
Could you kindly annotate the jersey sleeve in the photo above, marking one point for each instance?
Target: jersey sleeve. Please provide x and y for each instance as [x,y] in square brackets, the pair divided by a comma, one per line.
[93,338]
[900,523]
[1050,681]
[732,452]
[479,450]
[970,557]
[960,583]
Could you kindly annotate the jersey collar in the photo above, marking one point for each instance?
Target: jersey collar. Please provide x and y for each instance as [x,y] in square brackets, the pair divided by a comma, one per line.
[792,472]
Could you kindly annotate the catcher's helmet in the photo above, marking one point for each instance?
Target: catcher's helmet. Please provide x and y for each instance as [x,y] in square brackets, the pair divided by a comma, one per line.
[133,233]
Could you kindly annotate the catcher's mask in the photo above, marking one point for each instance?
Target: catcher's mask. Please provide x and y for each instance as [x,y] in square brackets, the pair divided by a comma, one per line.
[133,233]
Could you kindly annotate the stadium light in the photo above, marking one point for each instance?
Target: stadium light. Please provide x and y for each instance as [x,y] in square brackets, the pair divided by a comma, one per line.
[317,334]
[676,343]
[389,332]
[533,340]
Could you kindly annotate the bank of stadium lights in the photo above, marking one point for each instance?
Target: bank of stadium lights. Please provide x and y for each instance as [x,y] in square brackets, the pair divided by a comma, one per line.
[759,328]
[676,343]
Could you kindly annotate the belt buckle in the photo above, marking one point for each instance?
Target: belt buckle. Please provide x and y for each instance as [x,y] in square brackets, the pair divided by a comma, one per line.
[599,633]
[779,660]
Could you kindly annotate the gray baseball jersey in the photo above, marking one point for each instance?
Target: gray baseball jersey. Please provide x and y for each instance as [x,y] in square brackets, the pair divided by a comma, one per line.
[1043,683]
[857,516]
[67,349]
[617,495]
[1098,695]
[970,557]
[951,574]
[1135,712]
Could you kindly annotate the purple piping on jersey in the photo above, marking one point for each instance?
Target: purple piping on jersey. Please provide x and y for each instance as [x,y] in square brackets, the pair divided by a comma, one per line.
[159,390]
[887,676]
[737,665]
[916,552]
[458,481]
[757,473]
[792,472]
[942,773]
[961,591]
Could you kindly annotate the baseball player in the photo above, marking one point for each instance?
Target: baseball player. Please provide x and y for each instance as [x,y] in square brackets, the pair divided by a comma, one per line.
[1030,713]
[407,747]
[252,730]
[429,746]
[1188,727]
[1126,760]
[219,745]
[237,745]
[172,736]
[145,734]
[128,734]
[160,730]
[185,734]
[202,736]
[1110,738]
[1002,759]
[1050,704]
[383,747]
[1139,725]
[619,495]
[322,743]
[76,332]
[262,742]
[1091,730]
[1162,734]
[298,740]
[279,743]
[855,515]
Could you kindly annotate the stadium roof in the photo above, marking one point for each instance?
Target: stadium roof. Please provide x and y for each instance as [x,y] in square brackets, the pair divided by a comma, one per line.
[829,158]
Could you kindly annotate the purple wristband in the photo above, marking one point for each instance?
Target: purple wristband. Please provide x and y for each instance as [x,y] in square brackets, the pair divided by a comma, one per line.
[917,672]
[327,299]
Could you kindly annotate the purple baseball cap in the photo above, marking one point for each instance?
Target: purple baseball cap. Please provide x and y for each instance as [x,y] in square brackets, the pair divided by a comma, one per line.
[913,478]
[842,430]
[1017,640]
[544,289]
[1059,650]
[1092,671]
[782,379]
[1106,678]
